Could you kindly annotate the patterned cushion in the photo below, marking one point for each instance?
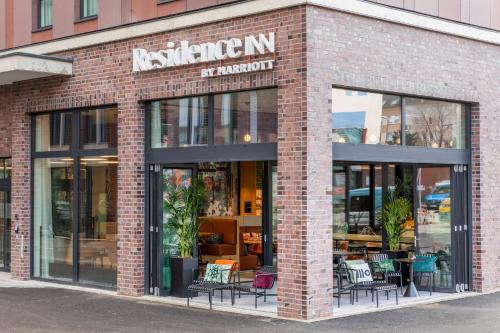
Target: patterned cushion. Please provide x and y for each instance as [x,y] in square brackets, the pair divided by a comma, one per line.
[217,273]
[359,271]
[383,266]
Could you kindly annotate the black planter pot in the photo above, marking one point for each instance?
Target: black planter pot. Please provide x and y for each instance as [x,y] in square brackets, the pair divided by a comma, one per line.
[184,271]
[397,254]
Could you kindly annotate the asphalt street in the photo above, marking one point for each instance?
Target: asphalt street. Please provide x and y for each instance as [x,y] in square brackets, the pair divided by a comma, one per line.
[61,310]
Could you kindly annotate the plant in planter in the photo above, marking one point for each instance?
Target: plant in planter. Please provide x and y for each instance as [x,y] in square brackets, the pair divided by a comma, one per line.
[394,217]
[181,204]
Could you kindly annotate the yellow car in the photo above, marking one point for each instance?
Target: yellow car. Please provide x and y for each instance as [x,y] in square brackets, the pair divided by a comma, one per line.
[445,209]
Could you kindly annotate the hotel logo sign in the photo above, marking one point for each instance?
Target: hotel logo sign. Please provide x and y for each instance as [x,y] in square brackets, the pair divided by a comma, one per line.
[187,54]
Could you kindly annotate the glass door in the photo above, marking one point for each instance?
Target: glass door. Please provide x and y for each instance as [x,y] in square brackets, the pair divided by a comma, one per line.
[4,229]
[434,221]
[163,241]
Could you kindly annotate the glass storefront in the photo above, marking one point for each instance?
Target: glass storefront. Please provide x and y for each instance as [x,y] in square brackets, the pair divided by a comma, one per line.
[75,197]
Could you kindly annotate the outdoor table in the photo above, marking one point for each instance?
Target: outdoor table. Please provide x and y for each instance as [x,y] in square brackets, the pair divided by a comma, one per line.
[411,290]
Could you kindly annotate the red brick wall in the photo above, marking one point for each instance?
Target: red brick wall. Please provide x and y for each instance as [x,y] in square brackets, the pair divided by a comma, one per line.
[103,75]
[5,122]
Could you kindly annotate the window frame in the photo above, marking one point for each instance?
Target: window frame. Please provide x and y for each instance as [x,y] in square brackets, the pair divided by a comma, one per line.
[404,114]
[209,152]
[359,153]
[39,16]
[76,153]
[81,16]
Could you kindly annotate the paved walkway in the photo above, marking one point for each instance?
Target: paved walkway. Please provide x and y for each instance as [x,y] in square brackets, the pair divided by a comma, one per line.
[61,310]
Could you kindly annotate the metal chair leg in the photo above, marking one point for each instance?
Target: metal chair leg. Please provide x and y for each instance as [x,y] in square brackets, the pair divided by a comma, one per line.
[377,297]
[397,300]
[210,299]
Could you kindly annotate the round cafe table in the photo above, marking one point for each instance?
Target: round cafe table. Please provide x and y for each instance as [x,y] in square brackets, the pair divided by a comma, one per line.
[411,290]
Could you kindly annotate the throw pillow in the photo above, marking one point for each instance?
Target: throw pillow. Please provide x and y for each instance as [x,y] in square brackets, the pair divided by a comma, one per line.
[217,273]
[263,281]
[359,271]
[383,266]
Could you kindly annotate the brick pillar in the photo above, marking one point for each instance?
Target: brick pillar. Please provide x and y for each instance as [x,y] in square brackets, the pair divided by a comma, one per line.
[21,193]
[304,195]
[130,198]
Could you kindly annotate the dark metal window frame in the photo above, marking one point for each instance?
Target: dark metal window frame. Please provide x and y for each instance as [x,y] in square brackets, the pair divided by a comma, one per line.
[75,152]
[82,17]
[402,153]
[5,185]
[414,156]
[209,152]
[39,26]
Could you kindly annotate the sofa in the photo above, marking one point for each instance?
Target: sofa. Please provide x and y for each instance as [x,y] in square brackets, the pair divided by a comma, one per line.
[229,230]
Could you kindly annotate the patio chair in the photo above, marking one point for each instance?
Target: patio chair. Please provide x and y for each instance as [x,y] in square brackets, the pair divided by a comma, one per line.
[383,265]
[426,266]
[263,281]
[360,277]
[219,276]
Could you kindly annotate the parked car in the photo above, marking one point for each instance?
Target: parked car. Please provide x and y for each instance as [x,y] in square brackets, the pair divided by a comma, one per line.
[440,192]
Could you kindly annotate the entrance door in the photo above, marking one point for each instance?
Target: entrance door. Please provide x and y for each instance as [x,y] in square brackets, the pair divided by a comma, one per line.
[163,242]
[4,229]
[441,228]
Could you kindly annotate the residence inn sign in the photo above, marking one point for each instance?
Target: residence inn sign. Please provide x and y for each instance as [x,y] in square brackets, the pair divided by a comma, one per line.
[187,54]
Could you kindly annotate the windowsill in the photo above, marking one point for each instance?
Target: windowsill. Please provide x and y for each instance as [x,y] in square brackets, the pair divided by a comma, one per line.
[49,27]
[161,2]
[85,19]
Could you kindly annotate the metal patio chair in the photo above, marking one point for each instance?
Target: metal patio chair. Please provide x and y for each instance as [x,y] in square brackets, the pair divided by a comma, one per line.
[389,276]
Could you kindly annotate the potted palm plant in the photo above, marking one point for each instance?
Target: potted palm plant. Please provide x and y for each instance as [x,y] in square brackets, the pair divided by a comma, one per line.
[181,205]
[394,217]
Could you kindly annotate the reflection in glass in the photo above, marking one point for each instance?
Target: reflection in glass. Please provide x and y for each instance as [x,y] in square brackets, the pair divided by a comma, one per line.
[52,230]
[89,8]
[340,225]
[98,220]
[274,212]
[359,198]
[366,118]
[99,128]
[246,117]
[434,218]
[219,181]
[5,168]
[53,132]
[434,124]
[179,122]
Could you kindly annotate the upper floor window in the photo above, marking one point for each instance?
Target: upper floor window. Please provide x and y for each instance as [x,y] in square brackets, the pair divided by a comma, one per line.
[88,8]
[5,168]
[45,13]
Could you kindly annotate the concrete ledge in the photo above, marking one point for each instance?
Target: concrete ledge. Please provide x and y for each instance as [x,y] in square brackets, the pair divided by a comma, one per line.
[19,66]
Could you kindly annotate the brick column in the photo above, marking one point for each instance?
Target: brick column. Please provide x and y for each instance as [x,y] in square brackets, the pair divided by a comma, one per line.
[130,197]
[21,193]
[304,193]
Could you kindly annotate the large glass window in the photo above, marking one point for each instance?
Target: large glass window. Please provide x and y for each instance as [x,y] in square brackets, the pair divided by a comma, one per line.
[53,132]
[99,128]
[246,117]
[179,122]
[369,118]
[88,8]
[53,208]
[5,168]
[98,220]
[45,13]
[434,124]
[361,117]
[60,217]
[232,118]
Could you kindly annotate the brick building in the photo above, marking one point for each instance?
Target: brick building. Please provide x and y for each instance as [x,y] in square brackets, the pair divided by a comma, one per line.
[298,115]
